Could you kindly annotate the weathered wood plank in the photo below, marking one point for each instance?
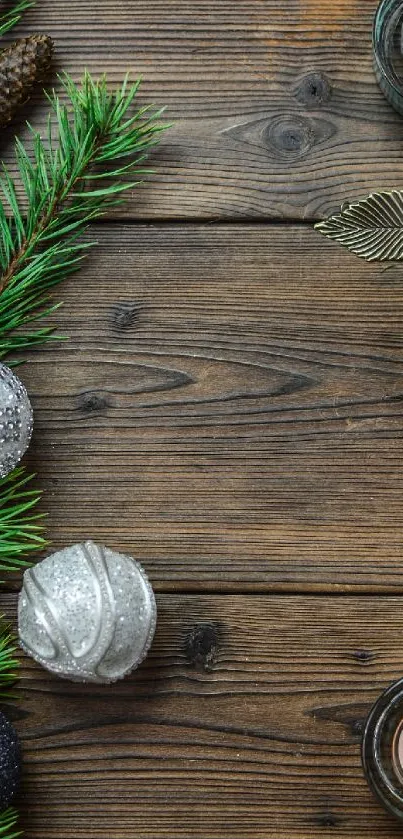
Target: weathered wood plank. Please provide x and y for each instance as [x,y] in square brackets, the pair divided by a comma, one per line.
[245,721]
[228,409]
[275,105]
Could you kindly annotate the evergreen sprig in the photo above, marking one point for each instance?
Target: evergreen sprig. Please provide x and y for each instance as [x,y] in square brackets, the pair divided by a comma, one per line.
[11,16]
[75,174]
[8,821]
[20,529]
[8,663]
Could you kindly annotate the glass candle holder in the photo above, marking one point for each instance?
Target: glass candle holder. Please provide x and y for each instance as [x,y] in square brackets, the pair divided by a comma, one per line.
[387,50]
[382,749]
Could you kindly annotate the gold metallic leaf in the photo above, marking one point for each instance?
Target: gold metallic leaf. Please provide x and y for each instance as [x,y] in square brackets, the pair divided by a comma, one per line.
[371,228]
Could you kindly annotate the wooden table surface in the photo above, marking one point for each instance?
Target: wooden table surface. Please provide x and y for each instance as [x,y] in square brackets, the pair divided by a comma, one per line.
[228,409]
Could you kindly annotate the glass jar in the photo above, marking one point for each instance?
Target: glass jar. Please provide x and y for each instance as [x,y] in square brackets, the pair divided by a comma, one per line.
[388,51]
[382,749]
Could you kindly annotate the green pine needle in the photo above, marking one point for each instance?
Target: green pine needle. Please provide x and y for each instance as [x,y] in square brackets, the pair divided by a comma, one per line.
[20,529]
[76,173]
[11,16]
[8,821]
[8,663]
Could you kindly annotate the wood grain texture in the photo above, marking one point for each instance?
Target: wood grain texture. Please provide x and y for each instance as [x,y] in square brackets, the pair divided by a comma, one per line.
[244,722]
[228,409]
[275,107]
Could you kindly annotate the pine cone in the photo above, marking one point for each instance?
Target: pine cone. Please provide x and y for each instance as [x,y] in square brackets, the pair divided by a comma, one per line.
[21,65]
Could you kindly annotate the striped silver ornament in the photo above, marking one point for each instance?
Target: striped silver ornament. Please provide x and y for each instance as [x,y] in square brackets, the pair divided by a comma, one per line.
[87,613]
[15,420]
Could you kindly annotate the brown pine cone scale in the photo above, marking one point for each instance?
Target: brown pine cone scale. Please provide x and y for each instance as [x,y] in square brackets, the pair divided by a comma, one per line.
[22,64]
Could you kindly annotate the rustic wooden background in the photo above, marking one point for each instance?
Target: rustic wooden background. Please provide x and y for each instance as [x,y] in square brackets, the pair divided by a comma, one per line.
[228,409]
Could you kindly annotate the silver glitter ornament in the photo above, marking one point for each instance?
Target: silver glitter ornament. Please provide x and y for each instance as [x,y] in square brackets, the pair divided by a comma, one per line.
[15,420]
[87,613]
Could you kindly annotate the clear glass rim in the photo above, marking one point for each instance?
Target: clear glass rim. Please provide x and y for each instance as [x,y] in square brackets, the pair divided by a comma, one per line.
[383,779]
[385,18]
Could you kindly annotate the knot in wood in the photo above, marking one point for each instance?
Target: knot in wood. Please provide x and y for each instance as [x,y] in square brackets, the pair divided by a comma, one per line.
[363,656]
[289,136]
[313,90]
[92,402]
[125,315]
[201,645]
[329,820]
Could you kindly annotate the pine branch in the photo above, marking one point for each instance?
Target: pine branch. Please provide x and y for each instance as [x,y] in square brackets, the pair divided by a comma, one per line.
[8,663]
[20,529]
[11,16]
[75,175]
[8,821]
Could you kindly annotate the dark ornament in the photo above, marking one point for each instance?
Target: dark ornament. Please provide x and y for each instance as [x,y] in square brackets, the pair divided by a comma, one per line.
[9,762]
[22,64]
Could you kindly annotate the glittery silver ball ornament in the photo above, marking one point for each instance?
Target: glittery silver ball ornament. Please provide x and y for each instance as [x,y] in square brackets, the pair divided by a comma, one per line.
[15,420]
[10,762]
[87,613]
